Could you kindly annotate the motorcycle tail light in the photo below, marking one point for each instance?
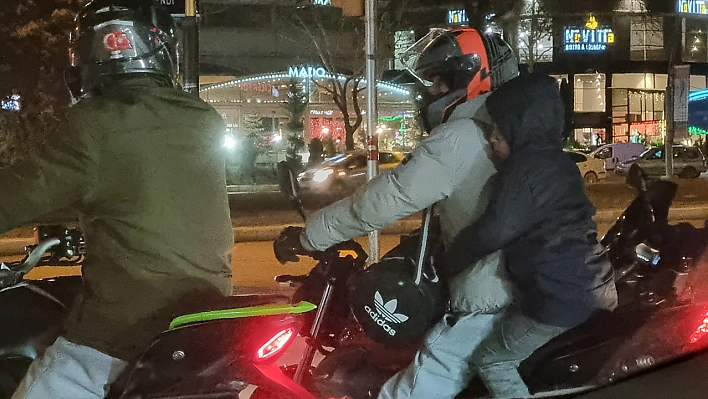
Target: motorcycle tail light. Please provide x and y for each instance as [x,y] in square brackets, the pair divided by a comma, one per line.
[276,344]
[701,330]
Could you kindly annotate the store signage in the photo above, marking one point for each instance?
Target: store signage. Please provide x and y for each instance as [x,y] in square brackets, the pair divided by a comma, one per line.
[456,17]
[691,6]
[307,72]
[174,7]
[319,112]
[322,2]
[258,87]
[591,37]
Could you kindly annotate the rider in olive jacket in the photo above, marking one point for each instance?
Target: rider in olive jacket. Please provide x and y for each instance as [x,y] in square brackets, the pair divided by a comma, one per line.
[140,165]
[141,162]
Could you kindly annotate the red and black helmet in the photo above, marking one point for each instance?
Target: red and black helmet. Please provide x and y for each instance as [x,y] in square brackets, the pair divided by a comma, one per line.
[468,62]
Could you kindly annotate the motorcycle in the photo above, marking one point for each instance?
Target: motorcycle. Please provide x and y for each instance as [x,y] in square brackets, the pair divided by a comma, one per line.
[214,352]
[661,273]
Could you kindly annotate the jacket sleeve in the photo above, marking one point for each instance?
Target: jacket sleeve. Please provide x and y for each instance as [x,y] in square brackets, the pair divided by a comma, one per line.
[432,172]
[511,214]
[53,177]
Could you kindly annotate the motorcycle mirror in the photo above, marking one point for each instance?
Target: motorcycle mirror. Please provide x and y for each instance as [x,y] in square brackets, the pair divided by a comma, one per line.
[637,179]
[289,186]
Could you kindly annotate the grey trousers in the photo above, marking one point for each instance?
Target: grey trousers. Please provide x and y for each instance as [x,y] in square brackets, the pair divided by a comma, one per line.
[69,371]
[514,338]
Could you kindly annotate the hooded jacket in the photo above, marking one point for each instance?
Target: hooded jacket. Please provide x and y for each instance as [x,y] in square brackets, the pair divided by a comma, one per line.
[540,215]
[143,166]
[449,168]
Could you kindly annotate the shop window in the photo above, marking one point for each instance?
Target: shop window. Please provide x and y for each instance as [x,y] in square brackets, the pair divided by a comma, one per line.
[589,92]
[403,39]
[535,34]
[695,49]
[646,38]
[589,137]
[535,40]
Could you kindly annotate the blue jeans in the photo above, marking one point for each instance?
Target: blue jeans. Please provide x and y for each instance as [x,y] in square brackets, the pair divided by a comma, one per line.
[69,371]
[514,338]
[441,366]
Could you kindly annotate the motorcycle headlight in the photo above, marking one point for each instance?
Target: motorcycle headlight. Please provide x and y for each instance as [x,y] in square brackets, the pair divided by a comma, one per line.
[322,175]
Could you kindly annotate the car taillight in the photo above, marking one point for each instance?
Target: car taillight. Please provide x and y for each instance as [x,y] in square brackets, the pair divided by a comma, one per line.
[275,344]
[701,331]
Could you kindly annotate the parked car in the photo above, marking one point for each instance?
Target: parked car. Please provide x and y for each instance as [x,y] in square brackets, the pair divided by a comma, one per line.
[613,154]
[343,173]
[592,170]
[689,162]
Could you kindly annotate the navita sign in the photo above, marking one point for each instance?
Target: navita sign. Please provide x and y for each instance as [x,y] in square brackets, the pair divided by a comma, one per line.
[307,72]
[590,37]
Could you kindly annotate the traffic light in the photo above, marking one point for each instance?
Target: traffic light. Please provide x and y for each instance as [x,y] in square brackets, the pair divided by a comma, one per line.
[350,8]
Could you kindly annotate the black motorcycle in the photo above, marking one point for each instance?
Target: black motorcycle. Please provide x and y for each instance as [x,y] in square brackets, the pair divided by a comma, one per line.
[214,352]
[661,273]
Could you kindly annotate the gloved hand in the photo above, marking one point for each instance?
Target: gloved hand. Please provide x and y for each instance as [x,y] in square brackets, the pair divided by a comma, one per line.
[287,246]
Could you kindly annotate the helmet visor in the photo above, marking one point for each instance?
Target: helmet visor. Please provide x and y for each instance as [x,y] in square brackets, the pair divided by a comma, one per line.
[431,55]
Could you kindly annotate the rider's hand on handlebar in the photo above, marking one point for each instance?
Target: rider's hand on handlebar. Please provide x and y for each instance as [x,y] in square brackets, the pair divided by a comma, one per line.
[287,246]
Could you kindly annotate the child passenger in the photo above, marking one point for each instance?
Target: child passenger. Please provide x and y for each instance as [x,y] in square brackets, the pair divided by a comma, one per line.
[541,217]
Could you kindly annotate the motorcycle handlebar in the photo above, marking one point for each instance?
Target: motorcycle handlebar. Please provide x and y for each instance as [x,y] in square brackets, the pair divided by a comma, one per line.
[35,256]
[12,276]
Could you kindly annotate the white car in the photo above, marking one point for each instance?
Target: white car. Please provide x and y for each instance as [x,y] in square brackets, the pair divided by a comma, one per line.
[592,169]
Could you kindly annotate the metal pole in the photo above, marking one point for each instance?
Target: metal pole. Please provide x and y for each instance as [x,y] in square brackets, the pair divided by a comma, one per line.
[676,43]
[190,30]
[372,165]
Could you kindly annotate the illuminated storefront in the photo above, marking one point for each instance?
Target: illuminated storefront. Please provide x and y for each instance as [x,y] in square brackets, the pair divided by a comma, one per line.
[264,96]
[614,70]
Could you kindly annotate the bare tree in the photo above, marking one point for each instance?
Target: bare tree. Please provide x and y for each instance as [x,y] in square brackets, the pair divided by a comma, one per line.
[535,34]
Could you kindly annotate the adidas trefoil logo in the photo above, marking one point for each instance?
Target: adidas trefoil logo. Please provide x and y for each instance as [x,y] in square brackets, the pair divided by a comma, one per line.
[385,312]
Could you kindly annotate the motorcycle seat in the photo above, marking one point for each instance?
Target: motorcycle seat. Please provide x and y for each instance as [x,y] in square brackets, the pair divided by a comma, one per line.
[239,301]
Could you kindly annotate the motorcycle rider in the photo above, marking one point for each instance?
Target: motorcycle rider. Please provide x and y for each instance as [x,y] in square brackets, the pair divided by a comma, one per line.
[541,217]
[450,169]
[140,161]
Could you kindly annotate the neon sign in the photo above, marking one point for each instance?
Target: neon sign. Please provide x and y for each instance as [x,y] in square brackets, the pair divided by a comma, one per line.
[455,17]
[591,37]
[691,6]
[307,72]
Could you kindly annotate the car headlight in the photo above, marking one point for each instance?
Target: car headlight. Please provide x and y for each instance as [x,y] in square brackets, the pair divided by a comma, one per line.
[322,175]
[229,142]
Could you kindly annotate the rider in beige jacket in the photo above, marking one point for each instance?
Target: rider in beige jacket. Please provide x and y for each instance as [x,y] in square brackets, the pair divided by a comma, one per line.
[449,168]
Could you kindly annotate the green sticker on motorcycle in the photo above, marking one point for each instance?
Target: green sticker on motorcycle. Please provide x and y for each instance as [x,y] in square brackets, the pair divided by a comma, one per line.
[251,311]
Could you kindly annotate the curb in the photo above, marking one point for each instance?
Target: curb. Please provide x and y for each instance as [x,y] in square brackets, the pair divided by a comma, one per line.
[251,188]
[15,246]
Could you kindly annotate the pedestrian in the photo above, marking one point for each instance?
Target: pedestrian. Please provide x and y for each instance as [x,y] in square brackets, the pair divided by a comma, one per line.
[141,162]
[450,169]
[541,218]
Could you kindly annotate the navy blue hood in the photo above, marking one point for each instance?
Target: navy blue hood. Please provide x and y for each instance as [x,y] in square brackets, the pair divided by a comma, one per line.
[529,112]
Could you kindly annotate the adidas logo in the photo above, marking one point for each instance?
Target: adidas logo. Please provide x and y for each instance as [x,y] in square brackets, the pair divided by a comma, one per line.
[385,312]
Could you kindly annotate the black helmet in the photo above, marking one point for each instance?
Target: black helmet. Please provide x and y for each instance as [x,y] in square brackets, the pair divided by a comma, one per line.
[469,62]
[117,37]
[391,307]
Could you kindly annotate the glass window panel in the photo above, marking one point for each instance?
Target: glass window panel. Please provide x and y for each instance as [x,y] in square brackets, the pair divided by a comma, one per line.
[590,92]
[646,38]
